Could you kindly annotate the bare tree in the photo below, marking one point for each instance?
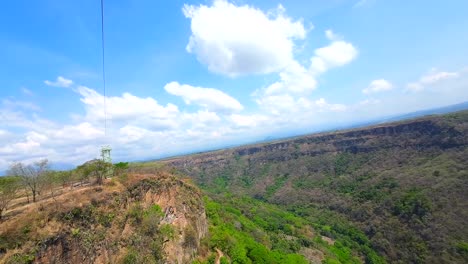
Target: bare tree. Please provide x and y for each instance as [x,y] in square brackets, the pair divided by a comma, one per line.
[31,175]
[8,189]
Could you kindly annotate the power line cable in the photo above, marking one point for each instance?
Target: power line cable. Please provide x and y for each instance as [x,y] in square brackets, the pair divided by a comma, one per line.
[103,67]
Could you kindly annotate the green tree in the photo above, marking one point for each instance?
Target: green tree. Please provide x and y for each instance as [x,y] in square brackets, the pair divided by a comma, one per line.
[8,188]
[95,168]
[120,168]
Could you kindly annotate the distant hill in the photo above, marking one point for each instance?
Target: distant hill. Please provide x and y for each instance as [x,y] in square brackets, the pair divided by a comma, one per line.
[402,184]
[432,111]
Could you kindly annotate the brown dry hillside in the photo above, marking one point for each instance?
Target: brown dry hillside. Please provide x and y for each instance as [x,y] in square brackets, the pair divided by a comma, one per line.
[403,184]
[151,218]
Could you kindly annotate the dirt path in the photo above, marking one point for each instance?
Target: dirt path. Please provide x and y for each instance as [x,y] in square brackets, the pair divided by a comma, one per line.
[220,255]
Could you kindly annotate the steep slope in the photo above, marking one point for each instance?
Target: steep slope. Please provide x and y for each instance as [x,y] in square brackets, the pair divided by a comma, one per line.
[150,218]
[403,184]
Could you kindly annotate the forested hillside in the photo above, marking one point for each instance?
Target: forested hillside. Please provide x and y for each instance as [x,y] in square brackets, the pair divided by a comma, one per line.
[399,188]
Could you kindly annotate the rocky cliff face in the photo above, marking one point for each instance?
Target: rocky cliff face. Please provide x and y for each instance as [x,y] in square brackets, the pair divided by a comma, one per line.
[182,209]
[148,219]
[421,134]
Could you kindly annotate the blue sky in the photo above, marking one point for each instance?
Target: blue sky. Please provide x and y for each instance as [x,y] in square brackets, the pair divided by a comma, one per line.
[191,75]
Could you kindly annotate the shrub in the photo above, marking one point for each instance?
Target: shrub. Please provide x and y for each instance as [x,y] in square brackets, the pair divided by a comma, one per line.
[131,257]
[167,231]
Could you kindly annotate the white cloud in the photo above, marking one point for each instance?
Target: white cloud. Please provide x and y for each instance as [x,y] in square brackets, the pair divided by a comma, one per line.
[324,106]
[60,82]
[338,53]
[290,107]
[377,86]
[249,120]
[331,35]
[202,118]
[438,76]
[289,96]
[29,145]
[132,133]
[237,40]
[434,76]
[209,98]
[83,131]
[294,79]
[126,108]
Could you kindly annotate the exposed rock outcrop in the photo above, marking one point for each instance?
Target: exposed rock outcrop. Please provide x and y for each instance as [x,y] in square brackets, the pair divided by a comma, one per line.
[154,218]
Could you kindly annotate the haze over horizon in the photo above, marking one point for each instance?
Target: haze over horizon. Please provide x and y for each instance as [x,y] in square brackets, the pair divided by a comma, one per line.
[189,75]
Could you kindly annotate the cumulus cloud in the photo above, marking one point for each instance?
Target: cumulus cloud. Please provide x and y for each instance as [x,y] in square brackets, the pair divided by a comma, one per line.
[60,82]
[208,98]
[84,131]
[434,76]
[25,146]
[377,86]
[126,108]
[289,97]
[295,79]
[337,53]
[238,40]
[132,133]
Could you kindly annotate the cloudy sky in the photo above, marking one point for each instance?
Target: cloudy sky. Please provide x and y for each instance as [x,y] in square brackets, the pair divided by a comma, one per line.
[193,75]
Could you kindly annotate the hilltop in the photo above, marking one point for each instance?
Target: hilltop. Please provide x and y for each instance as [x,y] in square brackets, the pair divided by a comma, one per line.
[144,218]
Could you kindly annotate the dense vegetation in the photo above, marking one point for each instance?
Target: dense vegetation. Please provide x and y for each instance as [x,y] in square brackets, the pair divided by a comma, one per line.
[398,189]
[252,231]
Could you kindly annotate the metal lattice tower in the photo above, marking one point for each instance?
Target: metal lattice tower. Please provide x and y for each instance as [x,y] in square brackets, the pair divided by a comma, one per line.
[106,154]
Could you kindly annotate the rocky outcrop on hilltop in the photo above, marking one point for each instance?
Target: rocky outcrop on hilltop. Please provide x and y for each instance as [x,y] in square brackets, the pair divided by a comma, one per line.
[155,218]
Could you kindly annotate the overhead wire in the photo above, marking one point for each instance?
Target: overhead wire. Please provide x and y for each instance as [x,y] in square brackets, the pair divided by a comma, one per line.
[103,67]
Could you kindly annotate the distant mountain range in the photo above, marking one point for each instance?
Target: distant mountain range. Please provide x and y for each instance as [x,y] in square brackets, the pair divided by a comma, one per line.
[385,119]
[432,111]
